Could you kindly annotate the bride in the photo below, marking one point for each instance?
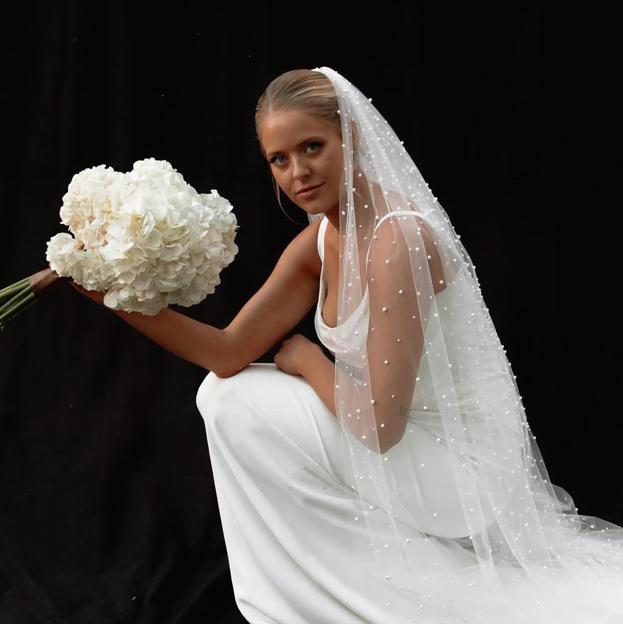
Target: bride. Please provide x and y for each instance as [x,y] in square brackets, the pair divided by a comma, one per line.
[398,482]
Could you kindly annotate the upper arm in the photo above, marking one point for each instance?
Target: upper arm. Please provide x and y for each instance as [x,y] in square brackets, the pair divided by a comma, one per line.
[280,304]
[398,316]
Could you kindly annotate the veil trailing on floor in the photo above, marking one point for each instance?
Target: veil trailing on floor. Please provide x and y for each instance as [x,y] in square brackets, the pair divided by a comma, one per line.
[429,366]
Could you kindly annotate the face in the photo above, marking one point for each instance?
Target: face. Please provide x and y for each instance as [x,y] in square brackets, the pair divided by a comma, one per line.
[303,151]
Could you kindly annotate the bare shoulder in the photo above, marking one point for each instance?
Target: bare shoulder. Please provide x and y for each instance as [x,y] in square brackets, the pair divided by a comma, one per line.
[387,244]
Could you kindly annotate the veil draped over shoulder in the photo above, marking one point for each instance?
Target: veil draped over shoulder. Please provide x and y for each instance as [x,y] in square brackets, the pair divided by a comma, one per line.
[454,496]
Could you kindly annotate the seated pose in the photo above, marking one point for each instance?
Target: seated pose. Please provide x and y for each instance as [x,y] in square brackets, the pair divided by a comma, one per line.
[399,482]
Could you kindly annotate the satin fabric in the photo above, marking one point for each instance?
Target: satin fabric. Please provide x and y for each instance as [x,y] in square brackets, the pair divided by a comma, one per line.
[286,502]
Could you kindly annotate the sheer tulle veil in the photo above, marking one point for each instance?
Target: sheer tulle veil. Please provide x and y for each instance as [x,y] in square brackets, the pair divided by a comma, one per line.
[430,366]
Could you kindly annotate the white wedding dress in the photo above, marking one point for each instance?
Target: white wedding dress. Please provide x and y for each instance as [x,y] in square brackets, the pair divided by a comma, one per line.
[286,506]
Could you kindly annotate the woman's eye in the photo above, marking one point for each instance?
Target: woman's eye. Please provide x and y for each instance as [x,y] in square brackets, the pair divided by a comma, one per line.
[272,160]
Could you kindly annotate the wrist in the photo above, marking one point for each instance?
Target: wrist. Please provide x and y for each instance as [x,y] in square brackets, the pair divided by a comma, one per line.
[318,370]
[310,362]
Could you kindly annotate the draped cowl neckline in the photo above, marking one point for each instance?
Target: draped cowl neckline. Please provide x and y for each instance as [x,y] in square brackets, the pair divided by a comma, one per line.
[322,294]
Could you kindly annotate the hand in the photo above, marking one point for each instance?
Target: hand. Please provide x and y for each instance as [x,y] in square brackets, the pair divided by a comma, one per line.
[95,295]
[293,353]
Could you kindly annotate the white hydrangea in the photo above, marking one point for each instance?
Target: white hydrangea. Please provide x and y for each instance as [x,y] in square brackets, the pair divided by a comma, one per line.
[145,237]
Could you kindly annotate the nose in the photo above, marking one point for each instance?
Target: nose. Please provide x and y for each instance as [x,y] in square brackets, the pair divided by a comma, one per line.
[300,168]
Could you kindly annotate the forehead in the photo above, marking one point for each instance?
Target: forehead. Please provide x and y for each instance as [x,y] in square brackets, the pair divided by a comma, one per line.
[285,129]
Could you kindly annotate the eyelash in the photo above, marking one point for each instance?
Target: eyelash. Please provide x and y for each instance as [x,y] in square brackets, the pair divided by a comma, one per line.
[271,161]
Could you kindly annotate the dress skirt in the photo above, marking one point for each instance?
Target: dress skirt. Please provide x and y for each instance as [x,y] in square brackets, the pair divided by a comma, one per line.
[286,509]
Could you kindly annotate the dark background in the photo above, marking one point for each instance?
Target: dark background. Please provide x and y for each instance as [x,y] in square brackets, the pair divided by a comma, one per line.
[107,505]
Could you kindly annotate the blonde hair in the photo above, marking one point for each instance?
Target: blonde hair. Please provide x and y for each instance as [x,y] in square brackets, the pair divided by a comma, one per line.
[301,89]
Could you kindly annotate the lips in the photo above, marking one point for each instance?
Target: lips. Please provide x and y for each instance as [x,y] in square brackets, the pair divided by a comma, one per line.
[308,188]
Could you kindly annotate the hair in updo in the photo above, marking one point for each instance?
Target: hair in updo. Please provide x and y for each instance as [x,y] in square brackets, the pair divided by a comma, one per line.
[302,89]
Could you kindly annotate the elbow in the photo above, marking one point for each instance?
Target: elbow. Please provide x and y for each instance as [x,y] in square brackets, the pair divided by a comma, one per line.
[225,373]
[231,370]
[391,431]
[386,443]
[229,362]
[382,438]
[221,374]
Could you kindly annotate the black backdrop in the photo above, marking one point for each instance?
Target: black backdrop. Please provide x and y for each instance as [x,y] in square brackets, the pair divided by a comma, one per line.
[107,505]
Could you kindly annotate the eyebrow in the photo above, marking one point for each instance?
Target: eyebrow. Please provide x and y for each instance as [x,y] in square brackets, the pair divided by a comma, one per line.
[310,138]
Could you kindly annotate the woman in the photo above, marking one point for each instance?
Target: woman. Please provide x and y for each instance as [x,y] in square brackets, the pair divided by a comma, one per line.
[400,483]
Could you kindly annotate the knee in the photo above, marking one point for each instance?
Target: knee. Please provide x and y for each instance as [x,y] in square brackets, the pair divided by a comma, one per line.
[209,396]
[220,399]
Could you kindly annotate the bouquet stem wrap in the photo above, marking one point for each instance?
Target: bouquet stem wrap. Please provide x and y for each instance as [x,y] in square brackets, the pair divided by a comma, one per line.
[19,296]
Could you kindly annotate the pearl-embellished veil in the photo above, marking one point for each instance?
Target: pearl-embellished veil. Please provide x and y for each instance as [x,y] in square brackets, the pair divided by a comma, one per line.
[453,494]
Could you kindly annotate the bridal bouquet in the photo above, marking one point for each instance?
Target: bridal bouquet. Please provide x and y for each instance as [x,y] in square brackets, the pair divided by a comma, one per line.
[145,237]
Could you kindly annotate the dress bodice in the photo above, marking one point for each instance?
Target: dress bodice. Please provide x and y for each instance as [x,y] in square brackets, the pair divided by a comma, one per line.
[358,320]
[481,389]
[356,324]
[456,342]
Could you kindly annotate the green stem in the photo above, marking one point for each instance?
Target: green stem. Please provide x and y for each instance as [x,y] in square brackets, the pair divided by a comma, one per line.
[17,286]
[4,322]
[16,302]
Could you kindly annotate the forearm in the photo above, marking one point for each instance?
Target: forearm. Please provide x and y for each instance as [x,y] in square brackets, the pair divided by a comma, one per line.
[319,371]
[193,341]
